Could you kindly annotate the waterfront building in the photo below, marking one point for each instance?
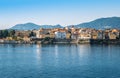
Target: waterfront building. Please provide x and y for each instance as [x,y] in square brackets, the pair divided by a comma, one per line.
[68,35]
[75,35]
[43,33]
[26,38]
[112,35]
[60,35]
[117,33]
[84,33]
[22,33]
[52,34]
[100,34]
[84,36]
[96,34]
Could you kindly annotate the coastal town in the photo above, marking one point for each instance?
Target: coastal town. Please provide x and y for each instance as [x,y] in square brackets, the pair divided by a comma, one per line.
[60,35]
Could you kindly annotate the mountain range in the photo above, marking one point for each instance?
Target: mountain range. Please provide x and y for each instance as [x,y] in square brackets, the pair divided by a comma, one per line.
[32,26]
[101,23]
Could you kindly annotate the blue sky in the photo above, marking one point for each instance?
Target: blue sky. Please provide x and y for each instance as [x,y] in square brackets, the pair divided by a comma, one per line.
[51,12]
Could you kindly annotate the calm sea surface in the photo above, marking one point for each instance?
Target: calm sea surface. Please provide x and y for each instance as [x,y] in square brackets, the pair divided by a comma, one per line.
[59,61]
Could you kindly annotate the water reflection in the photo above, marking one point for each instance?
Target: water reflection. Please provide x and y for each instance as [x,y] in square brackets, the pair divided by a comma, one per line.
[49,61]
[56,51]
[84,50]
[38,53]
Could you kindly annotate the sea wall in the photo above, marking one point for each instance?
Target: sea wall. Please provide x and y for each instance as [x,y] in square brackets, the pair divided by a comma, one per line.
[81,41]
[63,41]
[104,41]
[15,42]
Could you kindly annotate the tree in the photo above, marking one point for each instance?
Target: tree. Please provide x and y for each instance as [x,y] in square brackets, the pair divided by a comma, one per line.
[11,33]
[1,34]
[5,33]
[32,34]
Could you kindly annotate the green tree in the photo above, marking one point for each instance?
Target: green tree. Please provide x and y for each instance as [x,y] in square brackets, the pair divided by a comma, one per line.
[32,34]
[1,34]
[5,33]
[11,33]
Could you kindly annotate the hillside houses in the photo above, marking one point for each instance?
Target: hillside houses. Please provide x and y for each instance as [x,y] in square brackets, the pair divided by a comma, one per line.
[75,34]
[53,33]
[97,34]
[69,35]
[85,33]
[78,33]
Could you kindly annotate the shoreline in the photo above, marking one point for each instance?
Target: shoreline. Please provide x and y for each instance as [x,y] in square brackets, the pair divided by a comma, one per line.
[65,41]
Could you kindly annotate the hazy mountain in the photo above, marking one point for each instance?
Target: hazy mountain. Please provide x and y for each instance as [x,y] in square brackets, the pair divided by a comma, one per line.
[102,23]
[27,26]
[51,26]
[32,26]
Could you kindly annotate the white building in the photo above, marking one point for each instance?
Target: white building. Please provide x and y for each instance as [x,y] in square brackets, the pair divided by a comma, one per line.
[60,35]
[37,34]
[100,35]
[74,35]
